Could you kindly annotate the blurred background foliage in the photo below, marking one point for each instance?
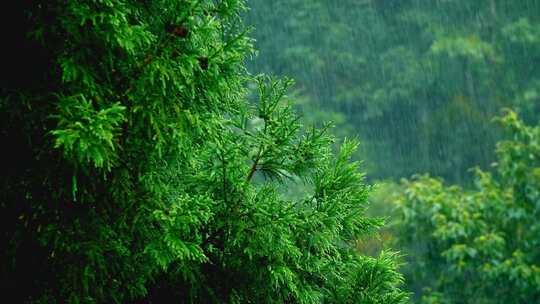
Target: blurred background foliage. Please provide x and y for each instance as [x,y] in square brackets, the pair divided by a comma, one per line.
[417,81]
[478,245]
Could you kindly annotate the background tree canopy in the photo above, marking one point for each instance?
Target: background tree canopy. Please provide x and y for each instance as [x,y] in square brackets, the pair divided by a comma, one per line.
[417,81]
[477,246]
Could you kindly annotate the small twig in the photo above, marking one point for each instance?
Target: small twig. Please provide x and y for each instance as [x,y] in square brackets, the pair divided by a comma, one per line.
[255,164]
[224,177]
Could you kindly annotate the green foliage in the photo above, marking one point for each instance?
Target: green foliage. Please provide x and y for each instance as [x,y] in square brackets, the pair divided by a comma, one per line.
[478,246]
[417,81]
[137,170]
[87,135]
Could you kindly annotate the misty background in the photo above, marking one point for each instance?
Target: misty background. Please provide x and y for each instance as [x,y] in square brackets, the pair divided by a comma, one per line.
[417,82]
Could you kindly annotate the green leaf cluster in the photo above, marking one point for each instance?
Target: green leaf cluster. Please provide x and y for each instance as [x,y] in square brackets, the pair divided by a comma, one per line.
[477,246]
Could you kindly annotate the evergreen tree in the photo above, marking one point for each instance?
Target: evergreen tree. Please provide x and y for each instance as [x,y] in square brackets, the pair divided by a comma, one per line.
[136,170]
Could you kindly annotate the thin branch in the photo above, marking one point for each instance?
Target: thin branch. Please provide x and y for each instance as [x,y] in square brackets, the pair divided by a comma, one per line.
[255,164]
[224,177]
